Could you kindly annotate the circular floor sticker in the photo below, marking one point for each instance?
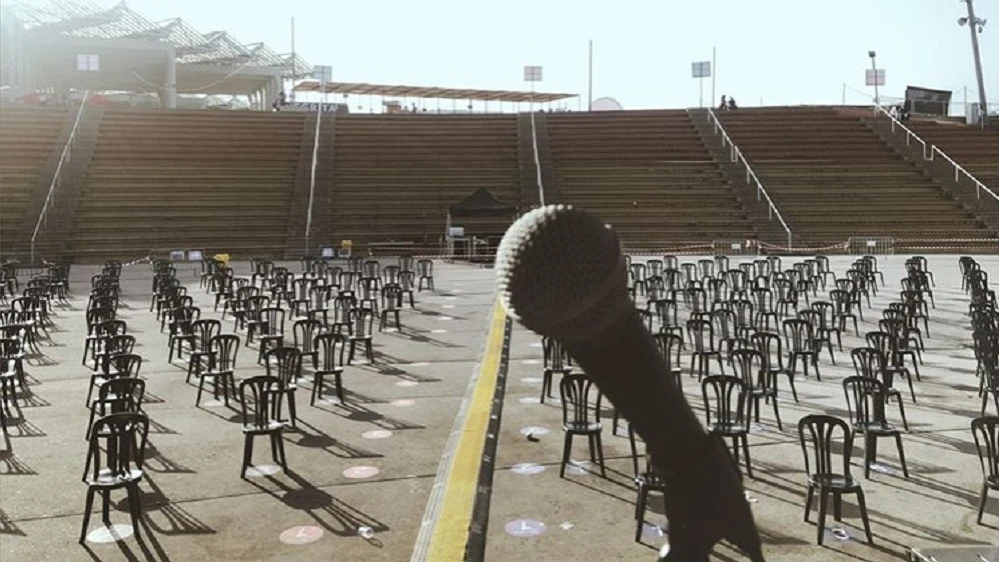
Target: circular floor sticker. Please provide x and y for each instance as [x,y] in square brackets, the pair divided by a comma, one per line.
[531,361]
[377,434]
[578,468]
[390,330]
[535,430]
[839,534]
[402,402]
[447,306]
[525,528]
[532,380]
[212,403]
[406,384]
[445,318]
[438,331]
[536,344]
[529,400]
[114,533]
[417,364]
[527,468]
[357,472]
[882,469]
[450,298]
[259,470]
[301,535]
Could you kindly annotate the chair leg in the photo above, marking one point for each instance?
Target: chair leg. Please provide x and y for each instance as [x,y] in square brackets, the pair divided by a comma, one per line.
[862,504]
[106,507]
[566,451]
[317,388]
[780,426]
[982,501]
[869,444]
[338,378]
[600,454]
[643,497]
[201,388]
[901,409]
[823,504]
[134,507]
[90,505]
[745,449]
[247,454]
[808,501]
[838,507]
[901,454]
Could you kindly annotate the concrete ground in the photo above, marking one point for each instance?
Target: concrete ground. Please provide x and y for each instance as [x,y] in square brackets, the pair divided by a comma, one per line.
[197,507]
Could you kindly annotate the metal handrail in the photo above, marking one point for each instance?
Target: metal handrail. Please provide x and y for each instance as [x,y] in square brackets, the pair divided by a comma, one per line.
[736,156]
[537,159]
[929,150]
[63,158]
[312,182]
[909,135]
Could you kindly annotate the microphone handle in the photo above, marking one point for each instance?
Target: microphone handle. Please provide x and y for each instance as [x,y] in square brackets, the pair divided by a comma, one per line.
[705,501]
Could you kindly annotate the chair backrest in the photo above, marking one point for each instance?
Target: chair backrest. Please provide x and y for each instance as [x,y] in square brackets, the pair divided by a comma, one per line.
[425,268]
[124,395]
[725,397]
[363,319]
[576,403]
[747,364]
[123,436]
[669,345]
[225,346]
[799,334]
[332,350]
[124,365]
[258,401]
[204,330]
[702,334]
[865,399]
[284,363]
[868,362]
[821,430]
[274,317]
[304,331]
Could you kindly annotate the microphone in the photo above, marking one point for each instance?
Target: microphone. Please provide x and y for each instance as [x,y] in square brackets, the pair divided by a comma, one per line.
[561,273]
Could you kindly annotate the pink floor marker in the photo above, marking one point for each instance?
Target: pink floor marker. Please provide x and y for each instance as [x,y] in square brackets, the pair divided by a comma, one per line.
[377,434]
[402,403]
[407,384]
[359,472]
[301,535]
[525,528]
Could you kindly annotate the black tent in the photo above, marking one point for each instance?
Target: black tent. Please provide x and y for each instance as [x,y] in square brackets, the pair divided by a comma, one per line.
[481,203]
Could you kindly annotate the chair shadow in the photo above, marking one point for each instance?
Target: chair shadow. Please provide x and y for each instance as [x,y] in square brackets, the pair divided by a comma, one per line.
[317,439]
[11,465]
[332,514]
[176,519]
[22,427]
[156,427]
[357,412]
[156,461]
[8,527]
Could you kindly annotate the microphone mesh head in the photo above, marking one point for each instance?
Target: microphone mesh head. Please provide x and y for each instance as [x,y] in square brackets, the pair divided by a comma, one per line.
[561,272]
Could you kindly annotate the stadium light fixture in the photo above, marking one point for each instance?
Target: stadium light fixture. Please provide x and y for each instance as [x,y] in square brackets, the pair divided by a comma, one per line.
[874,67]
[976,24]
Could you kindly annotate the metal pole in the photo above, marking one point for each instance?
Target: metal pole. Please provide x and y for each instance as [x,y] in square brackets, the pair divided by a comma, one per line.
[291,95]
[714,71]
[844,93]
[972,24]
[877,96]
[701,81]
[589,98]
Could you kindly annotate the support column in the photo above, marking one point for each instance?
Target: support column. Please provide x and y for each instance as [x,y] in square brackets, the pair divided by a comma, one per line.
[170,92]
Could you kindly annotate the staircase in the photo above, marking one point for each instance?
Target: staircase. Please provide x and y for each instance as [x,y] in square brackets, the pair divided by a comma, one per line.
[299,209]
[768,226]
[957,186]
[57,227]
[529,193]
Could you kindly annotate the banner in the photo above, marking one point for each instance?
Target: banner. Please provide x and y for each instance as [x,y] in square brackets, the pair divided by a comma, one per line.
[311,107]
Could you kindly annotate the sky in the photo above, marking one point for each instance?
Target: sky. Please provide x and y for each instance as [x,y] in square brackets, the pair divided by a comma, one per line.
[778,52]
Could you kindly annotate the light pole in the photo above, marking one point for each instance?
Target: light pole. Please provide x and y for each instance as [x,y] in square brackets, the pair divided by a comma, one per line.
[874,68]
[976,25]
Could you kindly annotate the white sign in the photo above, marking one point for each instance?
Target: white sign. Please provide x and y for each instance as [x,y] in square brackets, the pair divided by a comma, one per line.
[700,69]
[328,253]
[178,255]
[194,255]
[533,73]
[875,77]
[872,243]
[310,107]
[322,73]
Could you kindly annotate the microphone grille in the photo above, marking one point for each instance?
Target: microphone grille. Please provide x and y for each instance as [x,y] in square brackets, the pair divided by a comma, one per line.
[560,271]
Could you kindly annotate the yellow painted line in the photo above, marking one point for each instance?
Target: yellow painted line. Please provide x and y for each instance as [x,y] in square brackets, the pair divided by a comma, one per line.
[447,544]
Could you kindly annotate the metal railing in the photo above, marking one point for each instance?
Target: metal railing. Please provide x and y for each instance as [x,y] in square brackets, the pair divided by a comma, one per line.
[761,193]
[909,135]
[312,183]
[56,177]
[930,151]
[537,159]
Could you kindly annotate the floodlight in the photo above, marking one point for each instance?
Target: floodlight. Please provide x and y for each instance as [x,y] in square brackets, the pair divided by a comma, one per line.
[871,54]
[962,21]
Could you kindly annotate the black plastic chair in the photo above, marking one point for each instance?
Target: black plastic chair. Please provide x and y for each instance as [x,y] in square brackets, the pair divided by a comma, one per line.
[332,349]
[870,362]
[285,364]
[986,433]
[555,361]
[124,437]
[117,396]
[826,480]
[581,417]
[729,396]
[865,401]
[262,416]
[221,352]
[749,366]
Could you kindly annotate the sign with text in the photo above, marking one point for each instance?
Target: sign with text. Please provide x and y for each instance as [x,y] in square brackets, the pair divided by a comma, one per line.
[533,73]
[874,77]
[310,107]
[701,69]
